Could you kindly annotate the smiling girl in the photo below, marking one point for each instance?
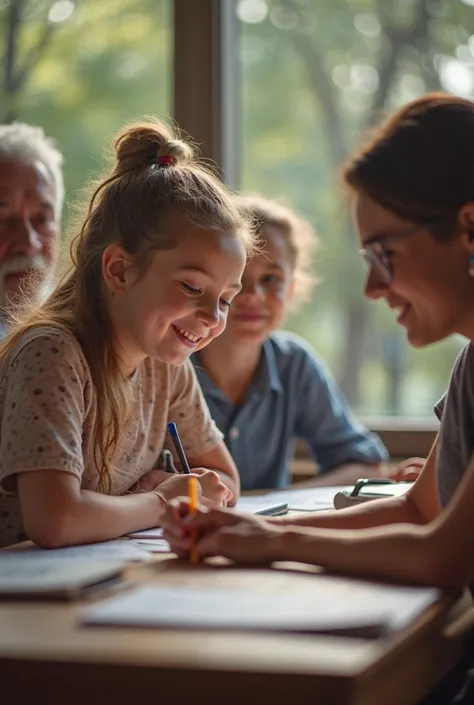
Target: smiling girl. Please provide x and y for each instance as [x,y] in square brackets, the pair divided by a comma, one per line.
[90,378]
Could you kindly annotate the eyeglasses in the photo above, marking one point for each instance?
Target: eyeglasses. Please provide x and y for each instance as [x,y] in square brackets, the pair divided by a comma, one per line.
[376,257]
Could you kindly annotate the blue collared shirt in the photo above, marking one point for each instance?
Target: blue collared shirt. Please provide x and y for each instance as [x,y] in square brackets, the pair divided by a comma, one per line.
[292,395]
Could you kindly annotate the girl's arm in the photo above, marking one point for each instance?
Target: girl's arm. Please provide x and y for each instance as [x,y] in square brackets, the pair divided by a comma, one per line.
[57,512]
[418,506]
[220,460]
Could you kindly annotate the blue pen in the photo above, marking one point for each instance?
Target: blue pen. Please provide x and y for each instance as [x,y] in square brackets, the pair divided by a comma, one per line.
[179,448]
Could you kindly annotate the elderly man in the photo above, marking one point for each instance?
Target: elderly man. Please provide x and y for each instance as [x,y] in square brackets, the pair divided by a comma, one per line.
[31,199]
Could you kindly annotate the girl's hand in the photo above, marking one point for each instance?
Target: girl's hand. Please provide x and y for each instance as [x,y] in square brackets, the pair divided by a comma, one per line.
[179,526]
[214,492]
[408,471]
[211,489]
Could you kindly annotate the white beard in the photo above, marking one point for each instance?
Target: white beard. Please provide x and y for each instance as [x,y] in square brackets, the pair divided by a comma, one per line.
[37,286]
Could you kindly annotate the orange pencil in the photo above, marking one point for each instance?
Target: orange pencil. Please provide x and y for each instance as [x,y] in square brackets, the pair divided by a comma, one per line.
[193,505]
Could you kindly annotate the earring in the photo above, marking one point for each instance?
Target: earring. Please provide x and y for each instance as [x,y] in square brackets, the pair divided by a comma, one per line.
[471,264]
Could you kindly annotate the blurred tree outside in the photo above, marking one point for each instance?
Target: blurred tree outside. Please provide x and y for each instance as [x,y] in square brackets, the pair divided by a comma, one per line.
[316,76]
[83,68]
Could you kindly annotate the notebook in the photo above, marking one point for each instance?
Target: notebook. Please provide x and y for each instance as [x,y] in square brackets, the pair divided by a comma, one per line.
[22,576]
[335,606]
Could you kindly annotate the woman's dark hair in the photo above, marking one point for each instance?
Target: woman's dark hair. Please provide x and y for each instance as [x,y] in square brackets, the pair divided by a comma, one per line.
[419,163]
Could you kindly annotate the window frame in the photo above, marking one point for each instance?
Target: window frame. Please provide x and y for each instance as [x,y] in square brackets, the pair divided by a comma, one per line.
[206,80]
[206,90]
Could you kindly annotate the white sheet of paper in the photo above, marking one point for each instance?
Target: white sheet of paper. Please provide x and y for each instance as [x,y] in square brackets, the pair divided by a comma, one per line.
[105,551]
[334,605]
[307,499]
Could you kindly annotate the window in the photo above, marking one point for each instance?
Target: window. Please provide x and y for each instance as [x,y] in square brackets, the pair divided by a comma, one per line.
[82,69]
[313,76]
[299,81]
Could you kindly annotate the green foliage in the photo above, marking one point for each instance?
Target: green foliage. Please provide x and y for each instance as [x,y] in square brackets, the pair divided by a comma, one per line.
[107,63]
[302,60]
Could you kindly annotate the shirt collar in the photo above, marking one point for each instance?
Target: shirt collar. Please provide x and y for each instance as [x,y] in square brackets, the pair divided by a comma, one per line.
[207,385]
[267,372]
[266,376]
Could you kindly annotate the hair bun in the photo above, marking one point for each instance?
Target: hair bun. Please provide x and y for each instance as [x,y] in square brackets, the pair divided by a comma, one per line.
[142,144]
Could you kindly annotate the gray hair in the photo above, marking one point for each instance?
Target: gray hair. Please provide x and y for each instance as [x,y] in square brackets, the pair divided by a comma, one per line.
[27,144]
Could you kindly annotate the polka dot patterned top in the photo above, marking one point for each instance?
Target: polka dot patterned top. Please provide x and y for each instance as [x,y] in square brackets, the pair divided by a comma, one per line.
[48,408]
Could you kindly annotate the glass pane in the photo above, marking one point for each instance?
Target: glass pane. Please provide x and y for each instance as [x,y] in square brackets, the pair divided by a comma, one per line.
[314,75]
[81,69]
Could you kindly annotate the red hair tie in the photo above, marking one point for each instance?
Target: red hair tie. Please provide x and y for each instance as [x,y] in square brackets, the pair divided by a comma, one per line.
[165,160]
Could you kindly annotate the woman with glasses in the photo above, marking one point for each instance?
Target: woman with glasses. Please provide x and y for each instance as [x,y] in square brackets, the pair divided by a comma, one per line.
[412,192]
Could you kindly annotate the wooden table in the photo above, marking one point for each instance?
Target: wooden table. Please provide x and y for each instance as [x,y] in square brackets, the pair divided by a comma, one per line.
[45,654]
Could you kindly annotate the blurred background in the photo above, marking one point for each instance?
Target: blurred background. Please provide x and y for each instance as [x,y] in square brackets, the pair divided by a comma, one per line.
[299,83]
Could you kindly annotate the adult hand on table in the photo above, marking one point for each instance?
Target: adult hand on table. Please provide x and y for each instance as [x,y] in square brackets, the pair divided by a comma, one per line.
[408,470]
[240,536]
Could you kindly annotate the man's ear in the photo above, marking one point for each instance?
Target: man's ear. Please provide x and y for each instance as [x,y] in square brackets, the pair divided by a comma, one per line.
[466,223]
[118,268]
